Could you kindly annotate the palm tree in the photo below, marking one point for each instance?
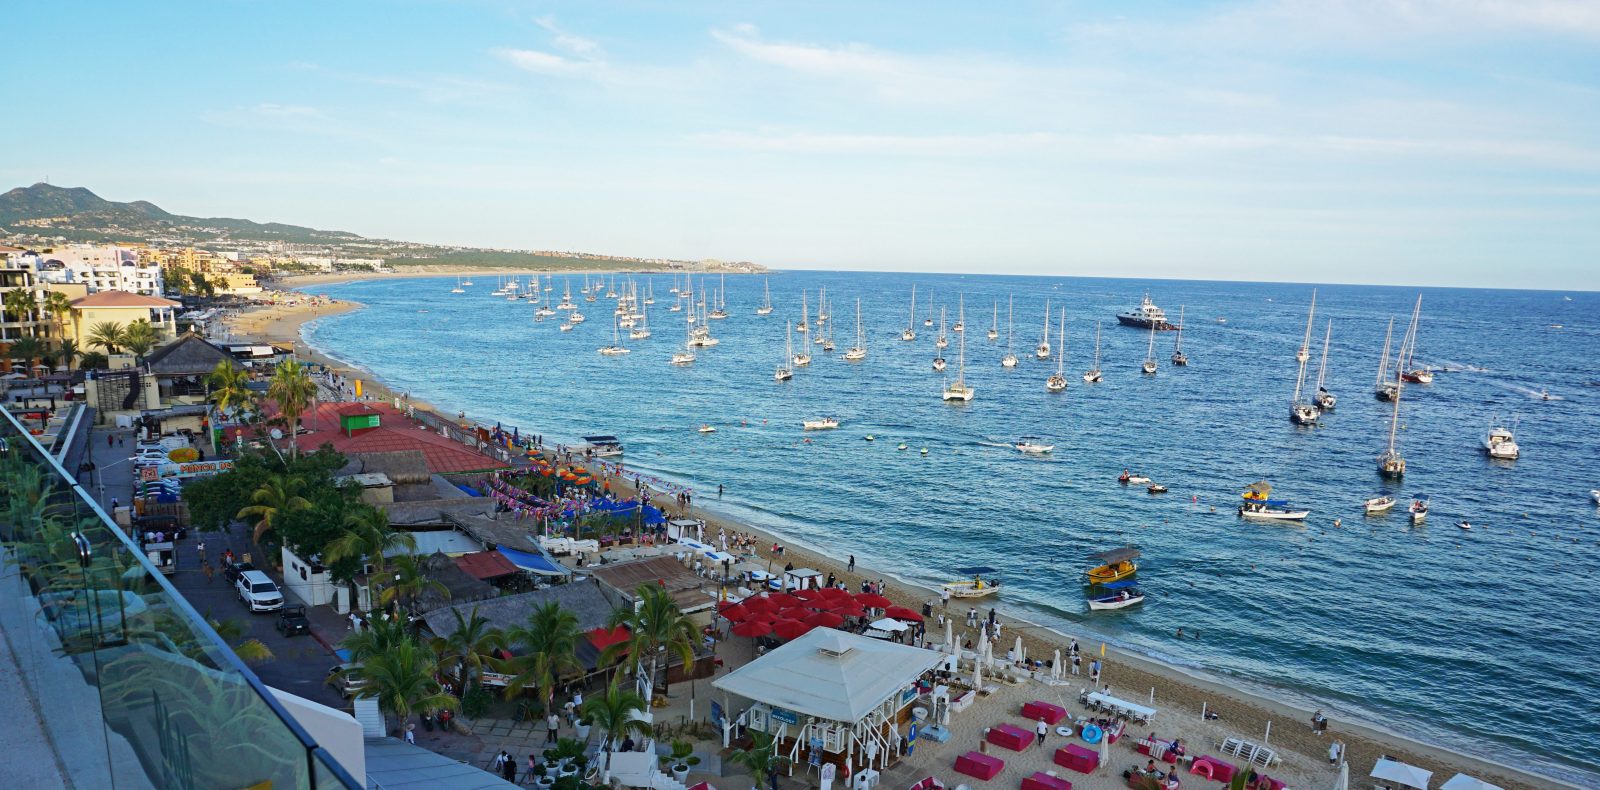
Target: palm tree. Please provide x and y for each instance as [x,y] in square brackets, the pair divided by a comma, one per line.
[379,636]
[68,351]
[20,303]
[762,758]
[58,305]
[616,711]
[370,536]
[233,632]
[404,678]
[139,337]
[277,494]
[230,387]
[26,349]
[93,360]
[654,626]
[107,335]
[292,389]
[409,581]
[463,652]
[548,647]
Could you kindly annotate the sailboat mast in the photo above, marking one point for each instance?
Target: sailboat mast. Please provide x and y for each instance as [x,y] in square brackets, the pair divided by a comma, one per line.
[1011,308]
[1097,345]
[1322,367]
[1061,350]
[1179,349]
[1383,365]
[1304,353]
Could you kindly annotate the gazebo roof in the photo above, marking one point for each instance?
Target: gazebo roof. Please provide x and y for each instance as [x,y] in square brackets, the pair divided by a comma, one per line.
[830,674]
[189,355]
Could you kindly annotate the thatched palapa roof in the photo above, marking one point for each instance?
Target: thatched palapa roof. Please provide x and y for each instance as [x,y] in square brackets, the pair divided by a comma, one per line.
[462,587]
[404,467]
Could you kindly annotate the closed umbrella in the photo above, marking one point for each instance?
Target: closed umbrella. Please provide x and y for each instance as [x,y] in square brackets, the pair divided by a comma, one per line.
[752,628]
[1104,757]
[789,629]
[1017,650]
[949,635]
[824,620]
[1343,782]
[1055,666]
[902,613]
[874,601]
[977,676]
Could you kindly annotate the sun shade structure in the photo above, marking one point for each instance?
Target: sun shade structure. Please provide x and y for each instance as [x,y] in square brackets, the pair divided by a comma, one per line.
[1114,556]
[1464,782]
[1401,773]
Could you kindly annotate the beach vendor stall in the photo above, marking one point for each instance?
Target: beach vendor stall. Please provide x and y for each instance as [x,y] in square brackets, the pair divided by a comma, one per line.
[832,698]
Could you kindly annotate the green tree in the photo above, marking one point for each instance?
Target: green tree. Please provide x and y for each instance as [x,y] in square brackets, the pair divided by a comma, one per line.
[368,535]
[378,637]
[292,389]
[761,759]
[229,387]
[547,647]
[616,711]
[93,360]
[139,337]
[655,626]
[26,349]
[20,303]
[277,494]
[469,646]
[404,678]
[58,305]
[68,351]
[404,580]
[107,335]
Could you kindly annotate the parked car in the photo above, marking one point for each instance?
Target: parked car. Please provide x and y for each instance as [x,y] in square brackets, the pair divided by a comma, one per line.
[292,621]
[345,679]
[232,573]
[258,592]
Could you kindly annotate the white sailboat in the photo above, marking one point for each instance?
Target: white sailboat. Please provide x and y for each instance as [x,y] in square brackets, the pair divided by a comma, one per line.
[1092,375]
[910,332]
[801,358]
[994,327]
[1010,359]
[1178,357]
[1325,399]
[766,303]
[616,348]
[467,282]
[928,322]
[566,298]
[1385,388]
[1390,463]
[1058,382]
[859,350]
[827,338]
[650,291]
[458,289]
[958,390]
[1043,351]
[686,356]
[943,340]
[784,372]
[961,314]
[719,307]
[1149,366]
[822,306]
[1304,412]
[805,316]
[641,330]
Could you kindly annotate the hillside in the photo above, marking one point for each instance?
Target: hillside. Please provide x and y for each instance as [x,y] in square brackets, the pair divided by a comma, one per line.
[79,214]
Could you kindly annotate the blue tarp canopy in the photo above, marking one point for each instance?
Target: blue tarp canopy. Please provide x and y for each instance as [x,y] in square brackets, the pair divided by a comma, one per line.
[1270,502]
[976,569]
[468,490]
[535,563]
[1122,585]
[1423,497]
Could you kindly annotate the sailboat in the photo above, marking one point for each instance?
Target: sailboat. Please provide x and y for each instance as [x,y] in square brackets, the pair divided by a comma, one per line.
[766,304]
[1325,399]
[616,348]
[686,356]
[650,291]
[1409,369]
[827,338]
[566,298]
[1043,351]
[1010,359]
[719,306]
[1149,366]
[1304,412]
[805,313]
[1385,389]
[575,318]
[611,290]
[674,289]
[1390,462]
[1058,382]
[822,306]
[994,328]
[911,326]
[961,314]
[1092,375]
[929,320]
[677,305]
[859,350]
[802,358]
[958,390]
[943,340]
[784,372]
[458,289]
[1178,357]
[641,331]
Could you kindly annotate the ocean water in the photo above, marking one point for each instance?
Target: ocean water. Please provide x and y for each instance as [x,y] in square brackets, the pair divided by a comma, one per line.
[1484,641]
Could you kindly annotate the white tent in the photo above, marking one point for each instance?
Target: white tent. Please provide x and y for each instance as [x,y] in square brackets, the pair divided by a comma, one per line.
[887,624]
[1464,782]
[829,674]
[1401,773]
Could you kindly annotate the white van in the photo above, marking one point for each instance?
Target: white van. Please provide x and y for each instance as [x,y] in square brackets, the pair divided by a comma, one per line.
[258,592]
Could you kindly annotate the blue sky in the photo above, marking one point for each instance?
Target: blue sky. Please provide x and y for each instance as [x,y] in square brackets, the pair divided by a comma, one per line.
[1451,142]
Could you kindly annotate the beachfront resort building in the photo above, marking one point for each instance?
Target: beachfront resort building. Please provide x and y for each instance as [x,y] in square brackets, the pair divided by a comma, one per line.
[120,308]
[102,268]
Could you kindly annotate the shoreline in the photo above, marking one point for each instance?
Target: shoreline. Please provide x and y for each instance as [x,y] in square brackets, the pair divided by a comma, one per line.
[1180,690]
[293,282]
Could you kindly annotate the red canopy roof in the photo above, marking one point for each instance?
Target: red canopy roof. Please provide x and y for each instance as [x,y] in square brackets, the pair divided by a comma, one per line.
[789,629]
[602,639]
[485,565]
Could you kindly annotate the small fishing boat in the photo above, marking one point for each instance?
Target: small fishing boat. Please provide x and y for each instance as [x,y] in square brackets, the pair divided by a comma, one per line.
[820,424]
[1156,488]
[1594,493]
[977,587]
[1092,375]
[869,438]
[924,451]
[1178,357]
[1272,510]
[1419,509]
[902,447]
[1058,381]
[707,429]
[1379,504]
[1033,445]
[1120,595]
[1502,444]
[1115,565]
[1464,524]
[1134,479]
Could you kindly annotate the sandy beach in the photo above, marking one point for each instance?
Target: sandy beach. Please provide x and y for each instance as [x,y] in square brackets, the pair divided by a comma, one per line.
[1179,694]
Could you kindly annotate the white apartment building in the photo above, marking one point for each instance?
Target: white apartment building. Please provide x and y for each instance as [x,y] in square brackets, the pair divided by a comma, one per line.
[102,268]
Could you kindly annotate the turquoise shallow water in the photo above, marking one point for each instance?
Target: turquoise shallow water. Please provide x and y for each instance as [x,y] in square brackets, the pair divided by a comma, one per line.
[1478,641]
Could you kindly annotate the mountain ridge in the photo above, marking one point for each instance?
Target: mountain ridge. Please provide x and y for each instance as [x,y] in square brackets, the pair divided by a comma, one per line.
[79,212]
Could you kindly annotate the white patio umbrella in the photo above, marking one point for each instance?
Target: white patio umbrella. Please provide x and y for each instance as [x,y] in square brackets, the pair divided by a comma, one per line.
[1055,666]
[1343,782]
[1401,773]
[949,636]
[977,676]
[1464,782]
[1105,757]
[1018,650]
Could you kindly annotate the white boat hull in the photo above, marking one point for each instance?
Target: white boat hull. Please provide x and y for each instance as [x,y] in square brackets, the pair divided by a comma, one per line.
[1275,515]
[967,590]
[1105,604]
[1380,505]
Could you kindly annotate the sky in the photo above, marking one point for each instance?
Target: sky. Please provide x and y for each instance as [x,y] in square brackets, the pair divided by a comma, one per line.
[1442,142]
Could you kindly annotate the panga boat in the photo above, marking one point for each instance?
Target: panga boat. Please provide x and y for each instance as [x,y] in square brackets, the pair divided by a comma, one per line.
[707,429]
[1272,510]
[1033,445]
[1464,525]
[1419,509]
[820,424]
[977,587]
[1121,596]
[1156,488]
[1135,478]
[1380,504]
[1115,565]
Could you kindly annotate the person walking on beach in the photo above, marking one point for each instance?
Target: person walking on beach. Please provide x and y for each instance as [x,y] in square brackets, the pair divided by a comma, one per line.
[1335,751]
[1094,671]
[1041,728]
[852,566]
[200,546]
[972,617]
[1077,663]
[991,615]
[944,598]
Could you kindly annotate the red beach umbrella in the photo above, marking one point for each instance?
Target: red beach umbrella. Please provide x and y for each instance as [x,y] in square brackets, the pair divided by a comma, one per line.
[789,629]
[759,603]
[796,612]
[874,601]
[825,620]
[807,594]
[833,593]
[736,612]
[785,600]
[848,609]
[752,628]
[902,613]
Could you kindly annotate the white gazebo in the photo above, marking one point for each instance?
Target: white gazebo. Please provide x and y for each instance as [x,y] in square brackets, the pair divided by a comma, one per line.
[1401,773]
[1465,782]
[849,694]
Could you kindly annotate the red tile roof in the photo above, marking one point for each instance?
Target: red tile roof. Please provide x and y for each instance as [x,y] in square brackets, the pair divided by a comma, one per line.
[357,410]
[397,432]
[485,565]
[122,299]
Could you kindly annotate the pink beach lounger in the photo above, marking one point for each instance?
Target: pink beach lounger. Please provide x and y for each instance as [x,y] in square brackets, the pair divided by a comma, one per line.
[1211,768]
[1039,709]
[1044,781]
[1010,736]
[1077,758]
[979,765]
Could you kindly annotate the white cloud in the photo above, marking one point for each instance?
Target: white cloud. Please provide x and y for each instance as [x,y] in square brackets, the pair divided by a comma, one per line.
[537,62]
[575,44]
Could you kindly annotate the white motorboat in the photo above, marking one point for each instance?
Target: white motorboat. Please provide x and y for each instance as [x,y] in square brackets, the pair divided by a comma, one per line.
[1156,488]
[575,317]
[1133,479]
[1502,444]
[958,390]
[766,303]
[1092,375]
[1058,382]
[820,424]
[1464,524]
[1419,509]
[784,372]
[1042,351]
[1271,510]
[910,332]
[1122,595]
[1033,445]
[707,429]
[1304,412]
[1379,504]
[566,326]
[1594,493]
[858,351]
